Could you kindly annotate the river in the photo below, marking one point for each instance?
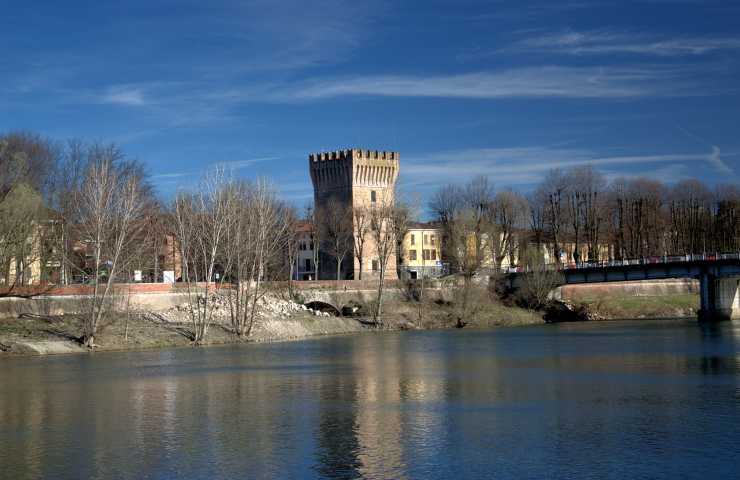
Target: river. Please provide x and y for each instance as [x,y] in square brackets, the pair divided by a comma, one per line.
[648,399]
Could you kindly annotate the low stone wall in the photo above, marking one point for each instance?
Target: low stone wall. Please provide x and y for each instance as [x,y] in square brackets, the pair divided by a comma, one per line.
[65,290]
[645,288]
[14,307]
[156,297]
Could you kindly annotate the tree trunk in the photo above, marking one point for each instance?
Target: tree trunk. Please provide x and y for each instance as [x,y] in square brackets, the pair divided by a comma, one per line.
[379,305]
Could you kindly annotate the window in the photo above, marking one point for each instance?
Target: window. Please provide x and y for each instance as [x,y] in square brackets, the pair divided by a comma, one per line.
[413,239]
[412,255]
[373,196]
[308,264]
[426,239]
[375,265]
[432,240]
[426,255]
[434,254]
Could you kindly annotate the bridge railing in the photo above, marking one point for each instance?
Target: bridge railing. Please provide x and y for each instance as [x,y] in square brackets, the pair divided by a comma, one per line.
[632,261]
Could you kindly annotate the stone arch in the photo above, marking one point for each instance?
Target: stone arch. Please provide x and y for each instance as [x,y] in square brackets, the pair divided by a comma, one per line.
[324,307]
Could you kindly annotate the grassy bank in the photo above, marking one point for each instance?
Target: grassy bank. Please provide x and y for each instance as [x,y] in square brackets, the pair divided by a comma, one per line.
[614,307]
[440,315]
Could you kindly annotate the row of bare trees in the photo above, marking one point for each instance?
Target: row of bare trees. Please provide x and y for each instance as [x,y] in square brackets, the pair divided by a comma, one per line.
[577,216]
[632,217]
[230,231]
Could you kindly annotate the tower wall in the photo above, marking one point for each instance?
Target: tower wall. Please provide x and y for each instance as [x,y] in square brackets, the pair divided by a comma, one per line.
[351,176]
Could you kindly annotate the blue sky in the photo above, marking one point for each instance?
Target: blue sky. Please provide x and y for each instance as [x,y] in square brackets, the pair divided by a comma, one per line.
[507,89]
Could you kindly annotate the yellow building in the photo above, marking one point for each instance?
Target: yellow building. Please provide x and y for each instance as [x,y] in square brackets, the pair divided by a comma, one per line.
[22,232]
[421,253]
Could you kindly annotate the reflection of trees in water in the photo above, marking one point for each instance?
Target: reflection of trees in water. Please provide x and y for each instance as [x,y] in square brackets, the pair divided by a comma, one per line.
[338,447]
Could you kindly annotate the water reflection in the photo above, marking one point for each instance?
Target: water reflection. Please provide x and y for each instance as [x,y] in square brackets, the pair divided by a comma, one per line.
[558,401]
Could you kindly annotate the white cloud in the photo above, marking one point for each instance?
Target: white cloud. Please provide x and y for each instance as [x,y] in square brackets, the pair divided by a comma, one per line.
[715,160]
[548,81]
[122,95]
[606,42]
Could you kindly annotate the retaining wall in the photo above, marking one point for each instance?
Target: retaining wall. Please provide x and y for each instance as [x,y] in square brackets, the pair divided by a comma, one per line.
[644,288]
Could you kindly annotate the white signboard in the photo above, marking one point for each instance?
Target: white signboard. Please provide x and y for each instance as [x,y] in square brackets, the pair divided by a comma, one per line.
[168,276]
[137,275]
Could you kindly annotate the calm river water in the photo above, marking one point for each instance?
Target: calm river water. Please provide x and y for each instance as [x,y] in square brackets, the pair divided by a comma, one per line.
[606,400]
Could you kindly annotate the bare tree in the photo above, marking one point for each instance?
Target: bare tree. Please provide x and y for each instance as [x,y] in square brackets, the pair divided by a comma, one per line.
[202,220]
[464,214]
[335,231]
[690,207]
[255,240]
[636,215]
[538,281]
[291,245]
[108,212]
[509,212]
[68,178]
[383,217]
[361,224]
[313,222]
[553,193]
[726,232]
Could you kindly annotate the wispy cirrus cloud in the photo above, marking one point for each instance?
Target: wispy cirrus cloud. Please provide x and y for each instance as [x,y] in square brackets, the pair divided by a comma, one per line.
[528,82]
[244,163]
[609,42]
[187,102]
[526,165]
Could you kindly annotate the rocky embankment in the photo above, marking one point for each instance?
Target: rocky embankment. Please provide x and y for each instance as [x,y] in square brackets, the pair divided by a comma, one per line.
[276,319]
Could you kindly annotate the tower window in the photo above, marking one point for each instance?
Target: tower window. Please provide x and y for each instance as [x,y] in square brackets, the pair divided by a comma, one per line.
[413,239]
[373,196]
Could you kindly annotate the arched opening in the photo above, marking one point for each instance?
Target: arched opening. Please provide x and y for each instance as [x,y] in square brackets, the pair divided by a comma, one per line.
[323,307]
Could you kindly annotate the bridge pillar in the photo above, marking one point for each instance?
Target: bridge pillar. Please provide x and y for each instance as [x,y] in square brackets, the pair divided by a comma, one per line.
[719,297]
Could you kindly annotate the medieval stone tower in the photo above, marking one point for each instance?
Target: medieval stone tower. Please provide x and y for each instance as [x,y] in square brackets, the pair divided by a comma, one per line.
[356,178]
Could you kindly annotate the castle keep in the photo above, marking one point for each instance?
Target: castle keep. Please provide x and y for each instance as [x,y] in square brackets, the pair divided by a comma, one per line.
[356,178]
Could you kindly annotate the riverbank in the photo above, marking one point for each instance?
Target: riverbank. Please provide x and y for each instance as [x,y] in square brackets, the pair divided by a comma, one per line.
[278,321]
[281,320]
[59,334]
[620,307]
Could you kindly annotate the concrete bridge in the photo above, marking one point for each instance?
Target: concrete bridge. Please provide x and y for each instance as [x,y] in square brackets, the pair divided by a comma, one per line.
[718,277]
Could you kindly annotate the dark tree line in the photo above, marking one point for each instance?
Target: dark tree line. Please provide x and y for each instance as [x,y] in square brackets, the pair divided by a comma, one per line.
[577,216]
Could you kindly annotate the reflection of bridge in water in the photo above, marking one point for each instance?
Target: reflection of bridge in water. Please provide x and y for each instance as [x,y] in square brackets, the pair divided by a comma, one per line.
[718,277]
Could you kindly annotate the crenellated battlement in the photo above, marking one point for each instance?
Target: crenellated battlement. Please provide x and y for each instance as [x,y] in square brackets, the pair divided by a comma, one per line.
[353,153]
